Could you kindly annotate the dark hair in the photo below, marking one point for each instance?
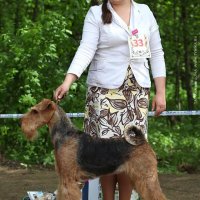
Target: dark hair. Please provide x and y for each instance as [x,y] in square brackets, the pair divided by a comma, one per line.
[106,14]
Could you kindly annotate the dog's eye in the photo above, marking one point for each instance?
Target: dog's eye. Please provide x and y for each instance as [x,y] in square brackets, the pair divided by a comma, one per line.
[34,111]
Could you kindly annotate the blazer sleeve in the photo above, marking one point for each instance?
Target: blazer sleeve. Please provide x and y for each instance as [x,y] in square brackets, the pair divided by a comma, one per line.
[88,44]
[157,60]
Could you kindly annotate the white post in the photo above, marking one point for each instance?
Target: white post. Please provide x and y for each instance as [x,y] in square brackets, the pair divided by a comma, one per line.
[93,193]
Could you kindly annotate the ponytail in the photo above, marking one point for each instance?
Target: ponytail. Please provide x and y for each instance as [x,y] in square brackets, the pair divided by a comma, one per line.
[106,14]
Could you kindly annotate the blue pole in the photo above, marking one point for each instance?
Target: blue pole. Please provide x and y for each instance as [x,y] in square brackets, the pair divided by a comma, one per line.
[85,191]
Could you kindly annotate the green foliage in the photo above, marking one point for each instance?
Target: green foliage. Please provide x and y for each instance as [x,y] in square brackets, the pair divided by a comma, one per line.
[175,144]
[36,46]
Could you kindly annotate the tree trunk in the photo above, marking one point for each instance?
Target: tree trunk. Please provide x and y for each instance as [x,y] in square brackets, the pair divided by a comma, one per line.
[177,67]
[17,17]
[187,63]
[1,17]
[35,11]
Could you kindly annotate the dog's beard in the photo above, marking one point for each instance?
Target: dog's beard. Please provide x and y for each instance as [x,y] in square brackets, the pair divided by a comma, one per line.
[30,132]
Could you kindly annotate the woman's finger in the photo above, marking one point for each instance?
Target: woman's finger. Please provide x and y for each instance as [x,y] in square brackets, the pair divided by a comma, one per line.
[153,104]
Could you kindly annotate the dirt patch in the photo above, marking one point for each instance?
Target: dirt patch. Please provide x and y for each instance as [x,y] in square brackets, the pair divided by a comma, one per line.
[181,187]
[14,183]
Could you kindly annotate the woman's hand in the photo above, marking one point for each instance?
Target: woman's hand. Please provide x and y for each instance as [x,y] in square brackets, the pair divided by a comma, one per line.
[63,89]
[159,101]
[159,104]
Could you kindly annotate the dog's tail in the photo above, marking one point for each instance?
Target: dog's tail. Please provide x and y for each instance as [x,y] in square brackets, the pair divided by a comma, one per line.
[134,135]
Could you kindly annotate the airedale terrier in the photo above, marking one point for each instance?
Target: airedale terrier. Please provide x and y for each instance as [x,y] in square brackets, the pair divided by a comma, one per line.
[80,157]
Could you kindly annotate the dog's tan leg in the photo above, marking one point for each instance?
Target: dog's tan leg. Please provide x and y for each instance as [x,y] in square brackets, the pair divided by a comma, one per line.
[142,170]
[68,191]
[149,188]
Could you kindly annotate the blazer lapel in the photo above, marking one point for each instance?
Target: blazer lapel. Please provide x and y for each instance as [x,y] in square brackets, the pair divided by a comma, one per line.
[136,17]
[116,18]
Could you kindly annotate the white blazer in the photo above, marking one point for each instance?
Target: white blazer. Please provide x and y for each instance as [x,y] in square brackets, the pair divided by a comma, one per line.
[105,46]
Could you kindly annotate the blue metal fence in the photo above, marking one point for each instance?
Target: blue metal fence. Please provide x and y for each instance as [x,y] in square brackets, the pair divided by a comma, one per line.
[78,115]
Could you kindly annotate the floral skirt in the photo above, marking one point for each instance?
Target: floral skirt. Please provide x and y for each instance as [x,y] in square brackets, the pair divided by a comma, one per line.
[109,111]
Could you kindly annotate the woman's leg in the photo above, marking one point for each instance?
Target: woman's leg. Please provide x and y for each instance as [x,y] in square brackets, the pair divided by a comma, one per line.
[108,184]
[124,185]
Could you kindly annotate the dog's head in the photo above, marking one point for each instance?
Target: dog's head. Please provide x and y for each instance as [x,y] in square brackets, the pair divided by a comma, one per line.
[39,115]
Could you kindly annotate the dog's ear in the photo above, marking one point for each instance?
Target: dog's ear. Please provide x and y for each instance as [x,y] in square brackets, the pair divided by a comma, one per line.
[46,104]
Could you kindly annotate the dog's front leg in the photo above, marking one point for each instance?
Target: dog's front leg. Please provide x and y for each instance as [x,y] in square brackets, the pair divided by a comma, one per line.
[68,190]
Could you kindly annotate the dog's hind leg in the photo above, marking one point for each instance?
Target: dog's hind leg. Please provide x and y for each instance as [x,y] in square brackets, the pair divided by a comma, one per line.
[68,191]
[149,188]
[142,170]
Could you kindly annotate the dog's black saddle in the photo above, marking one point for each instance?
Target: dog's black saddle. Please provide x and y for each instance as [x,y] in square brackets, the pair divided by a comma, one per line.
[102,156]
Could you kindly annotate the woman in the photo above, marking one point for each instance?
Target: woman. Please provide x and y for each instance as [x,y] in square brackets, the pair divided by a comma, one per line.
[118,38]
